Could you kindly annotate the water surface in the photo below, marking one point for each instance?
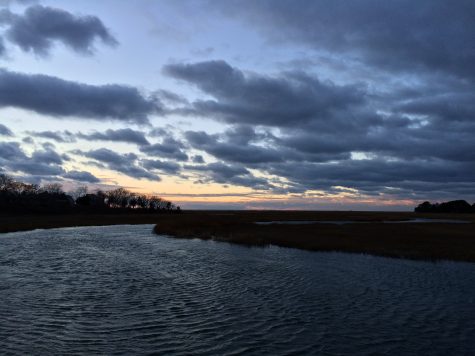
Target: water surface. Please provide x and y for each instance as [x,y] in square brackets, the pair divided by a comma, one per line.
[123,290]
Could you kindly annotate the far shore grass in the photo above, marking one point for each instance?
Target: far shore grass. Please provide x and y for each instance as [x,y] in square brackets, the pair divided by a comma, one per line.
[423,241]
[426,241]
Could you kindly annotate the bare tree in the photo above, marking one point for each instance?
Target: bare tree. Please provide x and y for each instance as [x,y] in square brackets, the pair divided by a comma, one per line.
[52,188]
[79,192]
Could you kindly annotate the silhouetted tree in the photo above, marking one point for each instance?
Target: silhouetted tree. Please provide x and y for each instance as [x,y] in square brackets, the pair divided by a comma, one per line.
[454,206]
[18,196]
[79,192]
[52,188]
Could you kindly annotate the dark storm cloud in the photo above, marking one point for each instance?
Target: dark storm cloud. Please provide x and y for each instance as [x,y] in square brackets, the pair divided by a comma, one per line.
[5,131]
[446,106]
[81,176]
[40,27]
[168,148]
[400,160]
[402,104]
[61,98]
[407,134]
[119,135]
[289,99]
[123,163]
[433,35]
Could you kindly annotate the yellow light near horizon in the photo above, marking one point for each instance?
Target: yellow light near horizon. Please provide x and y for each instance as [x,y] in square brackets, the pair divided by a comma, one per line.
[182,191]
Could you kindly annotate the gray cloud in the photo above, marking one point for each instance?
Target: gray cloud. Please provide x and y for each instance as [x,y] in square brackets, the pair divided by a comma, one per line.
[168,148]
[242,144]
[40,27]
[36,168]
[60,98]
[11,150]
[230,174]
[81,176]
[402,179]
[164,166]
[49,156]
[198,159]
[3,50]
[402,108]
[119,135]
[123,163]
[41,163]
[5,131]
[58,136]
[407,134]
[233,151]
[430,35]
[289,99]
[108,156]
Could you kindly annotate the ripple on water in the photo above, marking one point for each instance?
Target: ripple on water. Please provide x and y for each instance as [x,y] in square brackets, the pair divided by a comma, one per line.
[123,290]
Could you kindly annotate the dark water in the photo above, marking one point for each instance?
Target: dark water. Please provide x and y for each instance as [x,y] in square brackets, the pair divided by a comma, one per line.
[123,290]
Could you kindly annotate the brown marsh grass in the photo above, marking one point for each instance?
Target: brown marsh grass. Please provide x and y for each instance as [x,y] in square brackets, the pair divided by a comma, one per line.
[415,241]
[428,241]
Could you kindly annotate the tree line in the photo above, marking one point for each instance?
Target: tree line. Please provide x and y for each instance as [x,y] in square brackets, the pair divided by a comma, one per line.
[454,206]
[16,196]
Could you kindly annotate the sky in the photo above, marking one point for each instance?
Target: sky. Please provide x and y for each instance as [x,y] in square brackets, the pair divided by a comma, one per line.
[249,104]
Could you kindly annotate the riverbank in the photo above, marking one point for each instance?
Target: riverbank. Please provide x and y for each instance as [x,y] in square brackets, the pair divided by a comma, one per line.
[366,232]
[370,232]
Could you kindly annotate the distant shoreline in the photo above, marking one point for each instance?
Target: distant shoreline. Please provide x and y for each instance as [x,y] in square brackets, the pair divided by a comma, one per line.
[420,241]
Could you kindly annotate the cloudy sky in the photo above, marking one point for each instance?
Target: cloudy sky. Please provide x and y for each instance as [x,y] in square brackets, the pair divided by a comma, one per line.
[359,104]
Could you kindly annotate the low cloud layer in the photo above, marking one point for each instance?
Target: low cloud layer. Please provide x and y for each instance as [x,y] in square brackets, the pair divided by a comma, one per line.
[168,148]
[222,173]
[378,142]
[81,176]
[58,136]
[41,163]
[119,135]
